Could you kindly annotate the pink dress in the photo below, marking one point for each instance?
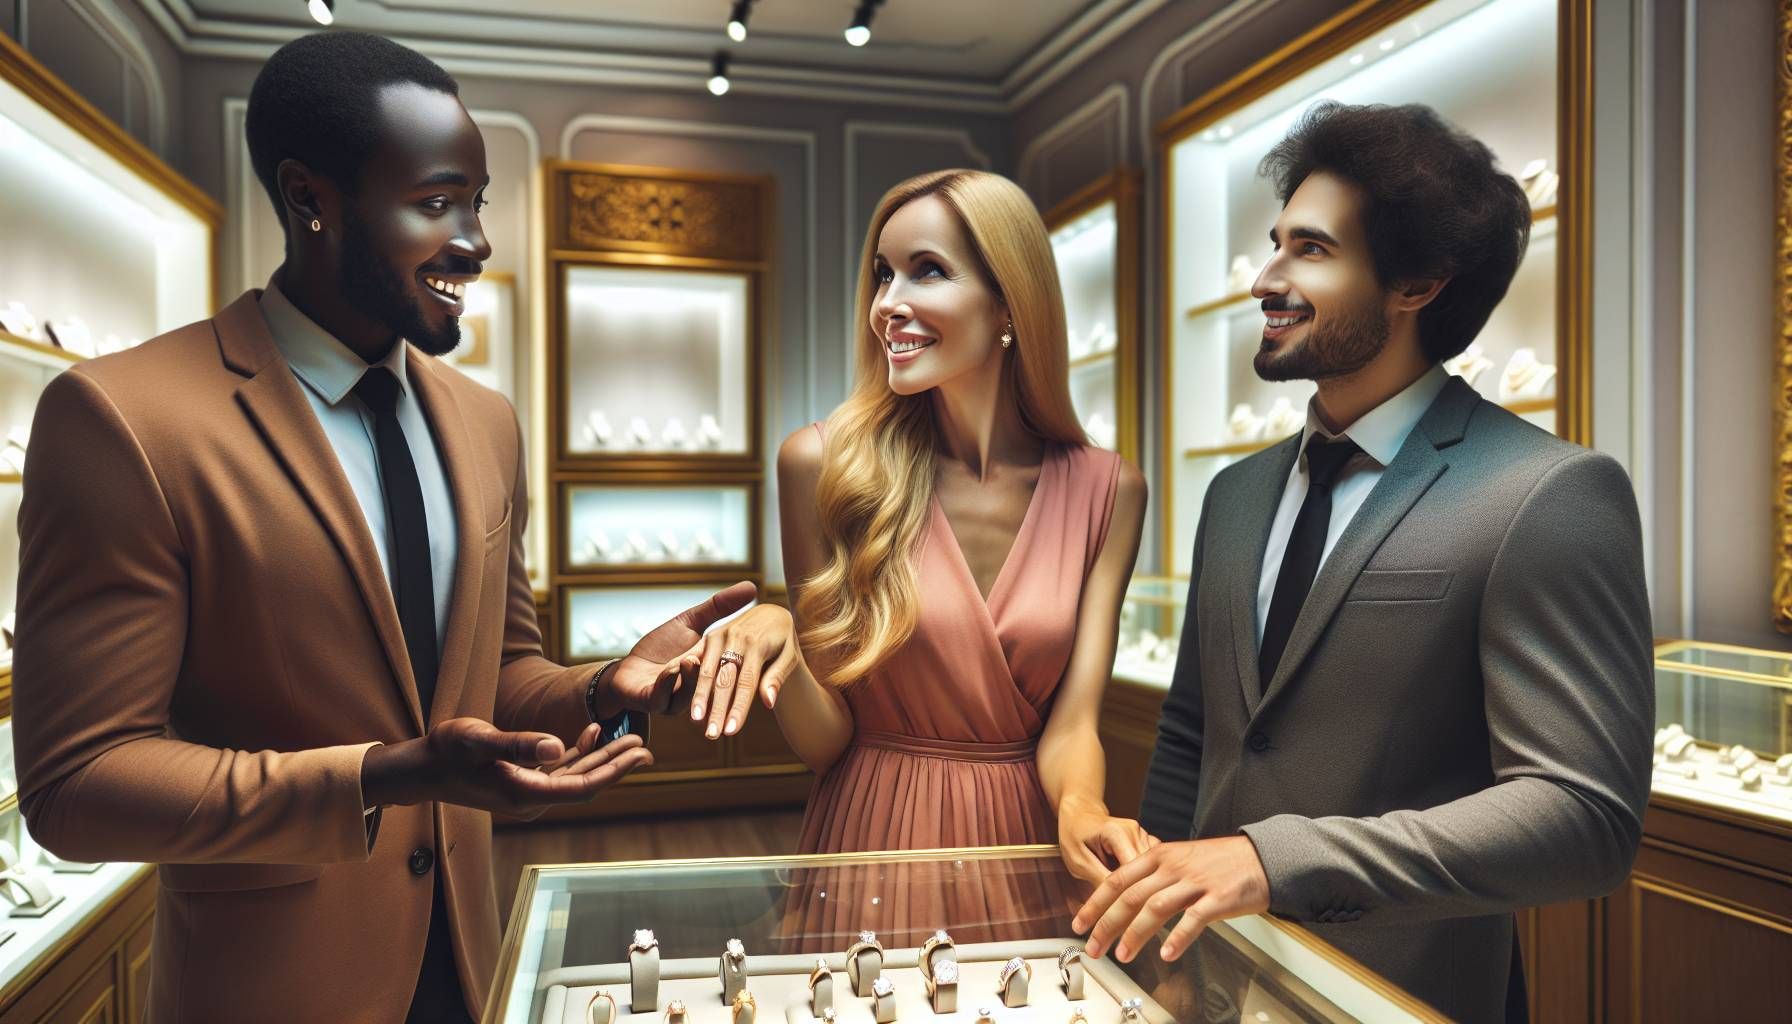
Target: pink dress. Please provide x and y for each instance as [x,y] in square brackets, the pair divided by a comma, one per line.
[942,753]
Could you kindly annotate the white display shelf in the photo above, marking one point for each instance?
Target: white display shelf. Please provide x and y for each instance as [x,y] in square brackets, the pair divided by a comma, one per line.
[1087,251]
[634,526]
[606,622]
[656,362]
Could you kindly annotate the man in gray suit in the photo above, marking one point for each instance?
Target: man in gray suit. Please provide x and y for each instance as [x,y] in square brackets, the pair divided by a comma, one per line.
[1414,689]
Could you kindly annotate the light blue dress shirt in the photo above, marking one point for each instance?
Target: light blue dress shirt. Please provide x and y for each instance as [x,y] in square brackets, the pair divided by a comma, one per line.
[329,371]
[1379,433]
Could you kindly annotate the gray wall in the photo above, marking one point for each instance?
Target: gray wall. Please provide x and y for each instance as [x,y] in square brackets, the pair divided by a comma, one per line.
[1684,269]
[113,56]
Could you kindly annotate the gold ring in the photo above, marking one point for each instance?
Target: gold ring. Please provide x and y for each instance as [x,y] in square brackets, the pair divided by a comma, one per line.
[943,973]
[821,973]
[591,1008]
[867,943]
[1013,967]
[744,1002]
[934,944]
[1077,1017]
[675,1012]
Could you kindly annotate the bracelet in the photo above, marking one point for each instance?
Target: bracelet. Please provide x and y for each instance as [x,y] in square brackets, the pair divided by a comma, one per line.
[594,685]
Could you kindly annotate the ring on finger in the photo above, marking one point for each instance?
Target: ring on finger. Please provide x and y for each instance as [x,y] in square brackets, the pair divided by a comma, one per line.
[733,657]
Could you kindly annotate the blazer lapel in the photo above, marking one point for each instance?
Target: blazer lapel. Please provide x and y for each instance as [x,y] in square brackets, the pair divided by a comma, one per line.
[1254,512]
[1412,473]
[273,398]
[456,449]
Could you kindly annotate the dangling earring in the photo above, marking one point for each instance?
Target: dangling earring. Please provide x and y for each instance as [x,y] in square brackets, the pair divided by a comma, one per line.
[1008,336]
[316,225]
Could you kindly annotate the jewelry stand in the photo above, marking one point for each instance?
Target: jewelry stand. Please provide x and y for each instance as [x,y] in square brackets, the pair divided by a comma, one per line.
[780,984]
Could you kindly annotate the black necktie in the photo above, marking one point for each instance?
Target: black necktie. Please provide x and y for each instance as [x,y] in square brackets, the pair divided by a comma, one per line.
[1306,546]
[407,529]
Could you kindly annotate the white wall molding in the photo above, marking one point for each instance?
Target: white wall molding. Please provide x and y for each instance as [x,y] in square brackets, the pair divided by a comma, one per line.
[117,32]
[1114,97]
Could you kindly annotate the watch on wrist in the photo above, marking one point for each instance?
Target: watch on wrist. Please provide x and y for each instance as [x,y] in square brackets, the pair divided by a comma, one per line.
[596,684]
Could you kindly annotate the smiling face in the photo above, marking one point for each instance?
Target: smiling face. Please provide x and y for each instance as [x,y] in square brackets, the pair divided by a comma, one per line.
[1325,313]
[935,309]
[411,236]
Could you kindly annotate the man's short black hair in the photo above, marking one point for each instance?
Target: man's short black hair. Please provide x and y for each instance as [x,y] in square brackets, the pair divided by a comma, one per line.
[314,102]
[1436,207]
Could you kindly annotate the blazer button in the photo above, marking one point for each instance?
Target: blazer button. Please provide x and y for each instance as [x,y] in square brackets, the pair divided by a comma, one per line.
[422,859]
[1259,742]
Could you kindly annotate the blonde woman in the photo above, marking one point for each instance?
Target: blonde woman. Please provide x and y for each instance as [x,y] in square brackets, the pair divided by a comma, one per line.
[957,552]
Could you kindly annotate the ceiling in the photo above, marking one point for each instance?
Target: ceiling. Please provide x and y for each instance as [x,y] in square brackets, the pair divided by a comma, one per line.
[983,50]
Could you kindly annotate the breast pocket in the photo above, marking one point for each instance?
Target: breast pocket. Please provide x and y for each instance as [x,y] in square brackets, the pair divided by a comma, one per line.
[1386,585]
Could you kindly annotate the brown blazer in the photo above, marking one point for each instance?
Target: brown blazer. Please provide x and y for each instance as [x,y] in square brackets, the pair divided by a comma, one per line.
[207,646]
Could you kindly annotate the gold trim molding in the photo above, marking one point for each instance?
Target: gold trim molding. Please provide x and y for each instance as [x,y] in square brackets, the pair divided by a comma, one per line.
[1782,394]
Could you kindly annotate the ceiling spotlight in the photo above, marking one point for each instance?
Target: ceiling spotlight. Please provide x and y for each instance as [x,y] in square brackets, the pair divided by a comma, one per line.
[737,20]
[718,78]
[859,32]
[322,11]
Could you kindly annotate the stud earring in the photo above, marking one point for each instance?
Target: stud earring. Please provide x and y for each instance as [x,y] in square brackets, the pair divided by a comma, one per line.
[1008,336]
[316,225]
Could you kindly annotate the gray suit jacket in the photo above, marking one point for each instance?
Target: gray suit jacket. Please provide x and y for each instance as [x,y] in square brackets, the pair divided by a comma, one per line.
[1460,725]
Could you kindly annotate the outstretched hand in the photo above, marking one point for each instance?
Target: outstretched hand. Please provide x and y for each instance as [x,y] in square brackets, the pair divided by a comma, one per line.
[648,678]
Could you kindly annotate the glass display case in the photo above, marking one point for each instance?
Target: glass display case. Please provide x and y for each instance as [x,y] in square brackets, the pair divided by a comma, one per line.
[105,246]
[656,362]
[1150,629]
[607,942]
[1092,236]
[1723,719]
[1488,66]
[630,526]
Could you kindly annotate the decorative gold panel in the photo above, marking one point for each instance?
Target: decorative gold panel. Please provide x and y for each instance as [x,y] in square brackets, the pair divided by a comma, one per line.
[661,214]
[1782,394]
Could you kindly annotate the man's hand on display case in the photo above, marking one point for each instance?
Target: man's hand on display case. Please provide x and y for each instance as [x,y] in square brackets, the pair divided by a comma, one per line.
[1094,842]
[1207,879]
[473,763]
[650,677]
[753,655]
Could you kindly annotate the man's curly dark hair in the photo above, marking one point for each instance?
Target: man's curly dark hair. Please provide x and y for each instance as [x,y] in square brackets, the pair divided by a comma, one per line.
[1437,206]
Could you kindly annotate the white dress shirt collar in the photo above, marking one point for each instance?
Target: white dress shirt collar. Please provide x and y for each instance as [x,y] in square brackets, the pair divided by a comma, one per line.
[326,365]
[1382,430]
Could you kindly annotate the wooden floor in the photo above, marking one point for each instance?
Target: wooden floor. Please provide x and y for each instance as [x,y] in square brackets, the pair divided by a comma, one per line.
[762,833]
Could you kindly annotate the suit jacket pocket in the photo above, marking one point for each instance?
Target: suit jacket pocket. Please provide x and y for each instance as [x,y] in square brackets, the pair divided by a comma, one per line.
[1401,585]
[500,532]
[235,877]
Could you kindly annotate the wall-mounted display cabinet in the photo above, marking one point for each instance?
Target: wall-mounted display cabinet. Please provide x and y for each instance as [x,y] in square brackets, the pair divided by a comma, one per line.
[1492,67]
[657,290]
[1094,236]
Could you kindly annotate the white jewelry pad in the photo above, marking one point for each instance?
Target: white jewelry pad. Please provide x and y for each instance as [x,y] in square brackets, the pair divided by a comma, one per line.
[780,984]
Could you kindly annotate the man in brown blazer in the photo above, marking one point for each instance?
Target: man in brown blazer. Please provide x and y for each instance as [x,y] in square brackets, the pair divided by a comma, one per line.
[275,634]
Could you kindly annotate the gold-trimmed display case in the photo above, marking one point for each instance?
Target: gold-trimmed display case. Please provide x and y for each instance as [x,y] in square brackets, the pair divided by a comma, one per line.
[106,245]
[1723,717]
[1782,370]
[571,926]
[1094,236]
[1515,74]
[659,295]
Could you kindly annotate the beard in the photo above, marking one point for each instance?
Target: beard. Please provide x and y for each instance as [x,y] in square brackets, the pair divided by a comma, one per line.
[375,290]
[1342,344]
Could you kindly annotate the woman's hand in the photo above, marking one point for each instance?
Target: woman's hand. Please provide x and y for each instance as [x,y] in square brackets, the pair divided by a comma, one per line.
[1094,842]
[765,639]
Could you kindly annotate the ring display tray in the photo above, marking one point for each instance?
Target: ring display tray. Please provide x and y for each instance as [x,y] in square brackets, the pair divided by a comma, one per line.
[571,926]
[780,984]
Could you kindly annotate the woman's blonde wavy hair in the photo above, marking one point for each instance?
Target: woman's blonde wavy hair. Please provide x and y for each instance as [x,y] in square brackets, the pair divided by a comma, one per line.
[878,469]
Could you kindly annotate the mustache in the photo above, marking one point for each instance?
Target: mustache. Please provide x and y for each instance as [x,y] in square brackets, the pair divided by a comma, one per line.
[455,266]
[1276,304]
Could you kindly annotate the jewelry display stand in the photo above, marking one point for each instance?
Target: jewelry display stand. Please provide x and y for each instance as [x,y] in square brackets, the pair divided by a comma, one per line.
[780,986]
